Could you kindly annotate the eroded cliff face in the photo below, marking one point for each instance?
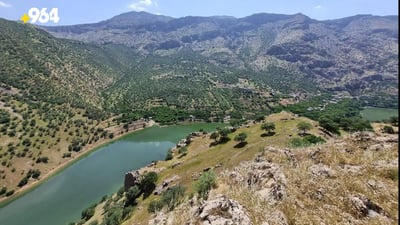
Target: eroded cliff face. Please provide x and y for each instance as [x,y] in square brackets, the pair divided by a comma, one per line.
[351,180]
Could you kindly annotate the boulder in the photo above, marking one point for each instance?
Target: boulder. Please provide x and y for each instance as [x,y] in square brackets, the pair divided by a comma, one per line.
[321,170]
[221,211]
[364,207]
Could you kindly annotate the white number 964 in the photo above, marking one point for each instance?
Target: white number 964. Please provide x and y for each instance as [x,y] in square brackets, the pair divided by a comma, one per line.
[42,16]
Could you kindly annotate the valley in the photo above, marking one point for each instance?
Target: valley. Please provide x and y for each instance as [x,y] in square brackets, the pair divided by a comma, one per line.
[66,91]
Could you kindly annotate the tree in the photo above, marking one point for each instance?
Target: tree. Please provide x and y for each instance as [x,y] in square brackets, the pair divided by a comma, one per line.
[241,137]
[203,185]
[329,125]
[214,136]
[268,126]
[304,126]
[148,183]
[131,195]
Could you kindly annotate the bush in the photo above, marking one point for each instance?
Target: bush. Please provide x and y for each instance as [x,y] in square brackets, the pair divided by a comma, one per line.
[3,190]
[131,195]
[269,126]
[9,193]
[172,196]
[306,141]
[204,184]
[388,130]
[155,206]
[148,183]
[169,155]
[88,213]
[183,150]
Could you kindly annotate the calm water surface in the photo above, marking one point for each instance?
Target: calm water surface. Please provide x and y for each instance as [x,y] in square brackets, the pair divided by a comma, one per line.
[62,198]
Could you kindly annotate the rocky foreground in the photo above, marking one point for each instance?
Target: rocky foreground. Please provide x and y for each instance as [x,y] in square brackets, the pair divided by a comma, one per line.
[352,180]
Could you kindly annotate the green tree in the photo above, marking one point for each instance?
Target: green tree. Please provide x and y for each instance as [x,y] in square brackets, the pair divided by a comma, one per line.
[304,126]
[241,137]
[203,185]
[148,183]
[268,127]
[329,125]
[131,195]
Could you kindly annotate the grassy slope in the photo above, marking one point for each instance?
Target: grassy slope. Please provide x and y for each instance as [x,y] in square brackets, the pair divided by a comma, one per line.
[300,207]
[200,156]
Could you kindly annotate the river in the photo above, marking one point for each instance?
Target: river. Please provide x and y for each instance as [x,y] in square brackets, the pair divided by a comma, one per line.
[61,199]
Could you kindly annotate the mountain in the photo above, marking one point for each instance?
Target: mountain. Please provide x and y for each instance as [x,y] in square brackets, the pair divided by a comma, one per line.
[356,55]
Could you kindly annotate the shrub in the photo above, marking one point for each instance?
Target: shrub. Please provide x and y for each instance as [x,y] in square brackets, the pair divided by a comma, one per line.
[172,196]
[169,155]
[131,195]
[88,213]
[204,184]
[148,183]
[155,205]
[388,129]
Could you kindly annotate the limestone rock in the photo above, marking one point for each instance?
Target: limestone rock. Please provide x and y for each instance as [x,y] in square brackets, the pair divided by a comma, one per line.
[277,218]
[321,170]
[364,207]
[221,211]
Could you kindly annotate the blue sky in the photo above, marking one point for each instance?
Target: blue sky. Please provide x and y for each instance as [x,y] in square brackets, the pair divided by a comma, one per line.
[86,11]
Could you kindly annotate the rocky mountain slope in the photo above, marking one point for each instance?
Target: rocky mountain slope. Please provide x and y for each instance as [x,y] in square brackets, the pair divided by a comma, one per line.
[350,179]
[355,54]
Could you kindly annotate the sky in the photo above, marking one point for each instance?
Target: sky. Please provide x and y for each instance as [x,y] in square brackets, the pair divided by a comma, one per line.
[89,11]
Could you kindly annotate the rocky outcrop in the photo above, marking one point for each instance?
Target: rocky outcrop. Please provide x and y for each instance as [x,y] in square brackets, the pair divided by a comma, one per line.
[221,211]
[364,207]
[131,179]
[264,177]
[321,170]
[276,218]
[165,185]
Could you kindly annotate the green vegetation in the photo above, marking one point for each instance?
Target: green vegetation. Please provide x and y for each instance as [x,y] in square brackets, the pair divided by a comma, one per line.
[203,185]
[378,114]
[388,129]
[345,114]
[304,127]
[241,138]
[169,155]
[305,141]
[268,127]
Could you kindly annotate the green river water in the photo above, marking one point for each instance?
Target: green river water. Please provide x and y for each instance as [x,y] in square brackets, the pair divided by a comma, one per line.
[61,199]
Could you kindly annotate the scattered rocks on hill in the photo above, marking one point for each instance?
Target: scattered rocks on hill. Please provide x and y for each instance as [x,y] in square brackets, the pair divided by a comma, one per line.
[364,207]
[221,211]
[321,170]
[264,177]
[276,218]
[165,185]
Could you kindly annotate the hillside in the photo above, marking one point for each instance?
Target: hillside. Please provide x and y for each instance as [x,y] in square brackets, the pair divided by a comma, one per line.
[353,177]
[356,55]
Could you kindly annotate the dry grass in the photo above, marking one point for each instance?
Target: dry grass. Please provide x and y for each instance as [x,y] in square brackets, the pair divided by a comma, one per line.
[310,199]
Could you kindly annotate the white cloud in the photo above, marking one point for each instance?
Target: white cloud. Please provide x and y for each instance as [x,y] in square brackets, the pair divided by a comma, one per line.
[318,7]
[5,5]
[143,5]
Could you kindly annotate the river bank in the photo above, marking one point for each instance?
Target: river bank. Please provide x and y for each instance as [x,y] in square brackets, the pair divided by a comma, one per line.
[81,154]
